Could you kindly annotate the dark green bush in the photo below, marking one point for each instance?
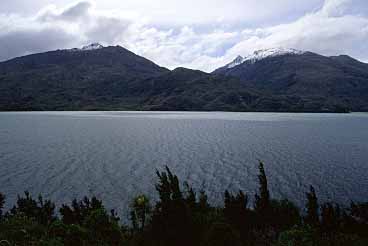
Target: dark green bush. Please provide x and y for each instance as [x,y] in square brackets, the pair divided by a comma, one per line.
[182,217]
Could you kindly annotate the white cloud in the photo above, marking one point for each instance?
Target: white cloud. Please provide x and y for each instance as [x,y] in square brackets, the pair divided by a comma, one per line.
[333,8]
[331,30]
[179,12]
[69,13]
[335,27]
[328,31]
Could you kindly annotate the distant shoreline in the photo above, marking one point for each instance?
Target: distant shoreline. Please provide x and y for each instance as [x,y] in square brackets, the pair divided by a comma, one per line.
[188,111]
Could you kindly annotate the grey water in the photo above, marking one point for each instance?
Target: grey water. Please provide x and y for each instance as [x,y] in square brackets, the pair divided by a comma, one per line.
[114,155]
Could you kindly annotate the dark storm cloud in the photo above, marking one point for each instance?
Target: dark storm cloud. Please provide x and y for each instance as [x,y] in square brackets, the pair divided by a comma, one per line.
[53,28]
[23,42]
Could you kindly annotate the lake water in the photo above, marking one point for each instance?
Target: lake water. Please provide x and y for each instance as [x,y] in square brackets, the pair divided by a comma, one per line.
[114,155]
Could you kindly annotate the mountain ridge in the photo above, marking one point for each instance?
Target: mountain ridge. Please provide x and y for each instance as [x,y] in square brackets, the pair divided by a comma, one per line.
[114,78]
[339,79]
[262,54]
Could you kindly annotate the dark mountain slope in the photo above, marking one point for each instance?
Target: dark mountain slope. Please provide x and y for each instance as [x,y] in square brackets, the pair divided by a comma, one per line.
[113,78]
[186,89]
[72,79]
[316,80]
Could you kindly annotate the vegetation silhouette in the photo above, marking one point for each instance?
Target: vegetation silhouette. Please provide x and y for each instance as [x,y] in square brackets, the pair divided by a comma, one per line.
[181,216]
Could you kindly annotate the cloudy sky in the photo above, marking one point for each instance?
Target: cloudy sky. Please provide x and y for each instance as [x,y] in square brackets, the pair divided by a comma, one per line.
[199,34]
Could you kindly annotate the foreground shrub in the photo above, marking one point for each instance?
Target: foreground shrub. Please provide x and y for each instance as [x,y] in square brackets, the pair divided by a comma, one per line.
[222,234]
[182,217]
[298,236]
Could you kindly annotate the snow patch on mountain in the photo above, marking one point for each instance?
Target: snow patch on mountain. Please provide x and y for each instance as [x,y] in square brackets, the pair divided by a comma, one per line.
[93,46]
[262,54]
[238,60]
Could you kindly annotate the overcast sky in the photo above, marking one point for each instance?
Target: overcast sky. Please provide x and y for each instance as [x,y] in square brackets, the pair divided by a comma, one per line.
[199,34]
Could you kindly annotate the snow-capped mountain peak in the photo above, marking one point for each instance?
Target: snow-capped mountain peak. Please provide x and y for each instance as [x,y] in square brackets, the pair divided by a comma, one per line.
[238,60]
[93,46]
[262,54]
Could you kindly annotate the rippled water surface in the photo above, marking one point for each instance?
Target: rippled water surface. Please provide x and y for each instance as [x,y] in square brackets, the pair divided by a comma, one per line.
[114,155]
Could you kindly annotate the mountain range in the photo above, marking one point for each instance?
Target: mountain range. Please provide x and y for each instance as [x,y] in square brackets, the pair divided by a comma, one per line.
[113,78]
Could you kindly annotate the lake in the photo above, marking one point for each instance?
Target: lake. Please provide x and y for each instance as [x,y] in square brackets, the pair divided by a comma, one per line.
[114,155]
